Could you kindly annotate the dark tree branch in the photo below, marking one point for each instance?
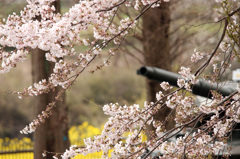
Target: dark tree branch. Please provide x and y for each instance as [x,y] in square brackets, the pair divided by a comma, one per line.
[202,68]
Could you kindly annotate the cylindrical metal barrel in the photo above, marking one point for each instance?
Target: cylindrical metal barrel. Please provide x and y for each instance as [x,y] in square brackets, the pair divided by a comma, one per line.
[202,88]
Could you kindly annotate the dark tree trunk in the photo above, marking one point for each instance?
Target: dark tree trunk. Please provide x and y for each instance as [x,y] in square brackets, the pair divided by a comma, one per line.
[52,136]
[156,23]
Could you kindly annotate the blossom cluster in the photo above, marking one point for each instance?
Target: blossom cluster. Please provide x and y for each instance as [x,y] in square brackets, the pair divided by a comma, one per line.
[166,85]
[196,56]
[187,80]
[201,148]
[40,119]
[123,119]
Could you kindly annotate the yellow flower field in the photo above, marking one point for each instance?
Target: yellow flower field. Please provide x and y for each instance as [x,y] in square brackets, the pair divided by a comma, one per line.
[25,145]
[76,136]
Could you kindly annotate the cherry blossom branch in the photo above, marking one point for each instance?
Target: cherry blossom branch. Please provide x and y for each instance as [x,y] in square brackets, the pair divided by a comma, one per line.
[230,14]
[112,7]
[225,19]
[202,68]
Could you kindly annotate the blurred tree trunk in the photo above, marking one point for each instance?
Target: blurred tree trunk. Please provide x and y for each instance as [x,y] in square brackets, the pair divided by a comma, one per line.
[51,136]
[156,23]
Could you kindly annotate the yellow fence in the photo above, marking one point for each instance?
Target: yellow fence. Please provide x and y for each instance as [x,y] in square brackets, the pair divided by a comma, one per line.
[23,148]
[29,155]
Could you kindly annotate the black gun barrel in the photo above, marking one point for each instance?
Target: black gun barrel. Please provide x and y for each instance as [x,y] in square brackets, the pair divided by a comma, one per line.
[202,88]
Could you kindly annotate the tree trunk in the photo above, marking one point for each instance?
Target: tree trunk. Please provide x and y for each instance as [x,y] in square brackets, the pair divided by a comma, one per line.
[156,23]
[52,136]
